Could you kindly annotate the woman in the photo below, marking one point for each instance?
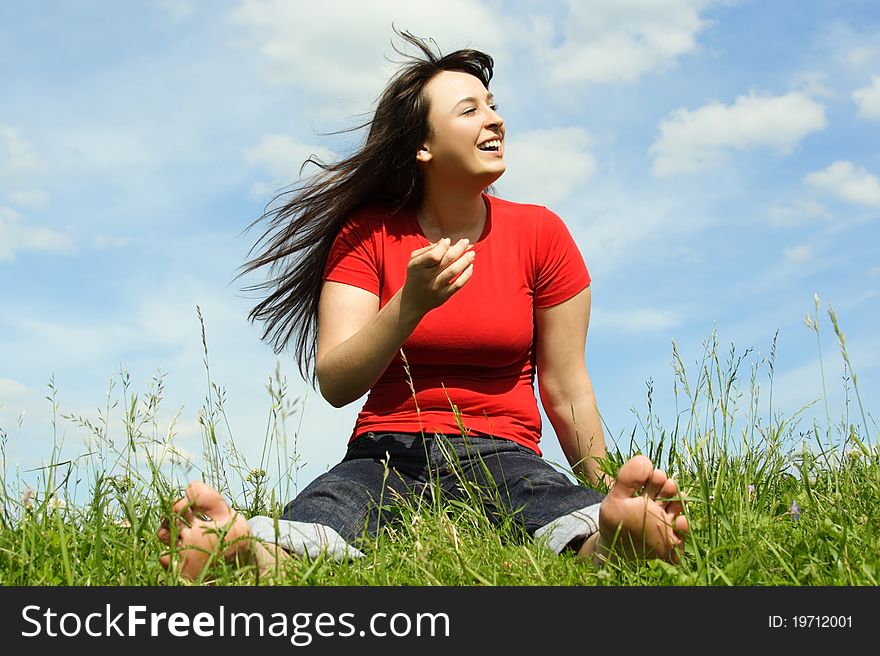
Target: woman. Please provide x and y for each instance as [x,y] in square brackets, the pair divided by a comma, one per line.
[395,273]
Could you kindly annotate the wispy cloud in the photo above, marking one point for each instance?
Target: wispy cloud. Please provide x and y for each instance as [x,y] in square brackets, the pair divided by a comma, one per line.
[851,183]
[282,158]
[290,35]
[868,100]
[20,164]
[798,212]
[103,242]
[16,236]
[17,155]
[622,40]
[814,84]
[11,388]
[547,166]
[637,320]
[800,254]
[694,140]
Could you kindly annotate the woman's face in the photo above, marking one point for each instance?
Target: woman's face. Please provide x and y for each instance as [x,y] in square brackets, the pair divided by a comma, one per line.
[466,143]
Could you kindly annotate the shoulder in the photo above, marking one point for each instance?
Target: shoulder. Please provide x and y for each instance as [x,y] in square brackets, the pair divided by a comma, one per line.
[527,216]
[369,217]
[508,207]
[365,224]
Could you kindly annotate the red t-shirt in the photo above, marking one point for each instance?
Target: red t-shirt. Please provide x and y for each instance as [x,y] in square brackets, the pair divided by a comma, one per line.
[474,355]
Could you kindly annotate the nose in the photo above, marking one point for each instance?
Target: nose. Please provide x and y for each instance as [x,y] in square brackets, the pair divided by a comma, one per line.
[494,120]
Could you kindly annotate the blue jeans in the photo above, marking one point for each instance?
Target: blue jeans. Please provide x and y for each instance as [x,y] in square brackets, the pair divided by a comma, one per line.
[512,482]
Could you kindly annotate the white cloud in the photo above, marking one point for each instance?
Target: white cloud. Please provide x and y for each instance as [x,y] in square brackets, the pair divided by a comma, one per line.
[15,236]
[282,158]
[698,139]
[12,389]
[31,198]
[111,149]
[177,10]
[19,163]
[16,154]
[103,242]
[799,254]
[621,40]
[814,84]
[547,166]
[868,100]
[851,183]
[333,48]
[798,212]
[861,55]
[636,320]
[614,228]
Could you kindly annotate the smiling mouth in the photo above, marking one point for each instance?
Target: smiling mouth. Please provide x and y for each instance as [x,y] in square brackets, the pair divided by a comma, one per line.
[490,146]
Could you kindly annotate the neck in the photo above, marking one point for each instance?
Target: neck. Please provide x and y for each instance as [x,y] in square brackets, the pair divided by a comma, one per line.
[453,214]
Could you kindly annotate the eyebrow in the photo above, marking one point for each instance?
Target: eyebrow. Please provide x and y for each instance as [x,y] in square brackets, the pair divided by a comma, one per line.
[489,98]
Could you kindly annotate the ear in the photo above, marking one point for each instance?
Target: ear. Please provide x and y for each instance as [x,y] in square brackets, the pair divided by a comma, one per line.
[423,155]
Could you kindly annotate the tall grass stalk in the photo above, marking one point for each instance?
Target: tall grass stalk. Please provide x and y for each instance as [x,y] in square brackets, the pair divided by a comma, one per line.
[771,499]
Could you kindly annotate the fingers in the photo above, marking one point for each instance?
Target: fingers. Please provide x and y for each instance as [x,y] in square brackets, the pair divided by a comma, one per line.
[441,254]
[451,276]
[430,256]
[423,249]
[455,252]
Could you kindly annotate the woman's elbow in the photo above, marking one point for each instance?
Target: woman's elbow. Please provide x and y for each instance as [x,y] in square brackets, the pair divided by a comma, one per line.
[331,391]
[326,387]
[332,396]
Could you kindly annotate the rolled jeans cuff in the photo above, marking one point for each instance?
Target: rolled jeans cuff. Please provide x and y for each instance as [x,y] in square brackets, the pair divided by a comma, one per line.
[562,531]
[303,538]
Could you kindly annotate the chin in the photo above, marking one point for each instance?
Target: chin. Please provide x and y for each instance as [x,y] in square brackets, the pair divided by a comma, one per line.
[491,178]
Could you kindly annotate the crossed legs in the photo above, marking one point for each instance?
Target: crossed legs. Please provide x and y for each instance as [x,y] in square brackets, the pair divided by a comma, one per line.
[641,517]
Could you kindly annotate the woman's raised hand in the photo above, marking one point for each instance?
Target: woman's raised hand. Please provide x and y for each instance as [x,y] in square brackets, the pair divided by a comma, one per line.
[435,273]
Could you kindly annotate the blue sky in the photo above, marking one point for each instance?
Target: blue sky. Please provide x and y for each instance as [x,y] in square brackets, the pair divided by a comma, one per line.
[717,162]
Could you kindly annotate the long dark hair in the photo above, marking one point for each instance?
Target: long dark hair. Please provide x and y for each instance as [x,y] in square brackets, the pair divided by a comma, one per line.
[299,233]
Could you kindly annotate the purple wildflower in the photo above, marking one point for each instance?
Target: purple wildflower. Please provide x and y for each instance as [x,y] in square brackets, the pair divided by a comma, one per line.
[795,511]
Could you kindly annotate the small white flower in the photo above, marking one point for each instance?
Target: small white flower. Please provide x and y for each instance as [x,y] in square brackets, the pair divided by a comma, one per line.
[27,499]
[57,503]
[255,475]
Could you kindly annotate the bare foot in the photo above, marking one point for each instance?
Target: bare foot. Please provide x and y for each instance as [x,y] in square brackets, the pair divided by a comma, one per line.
[206,527]
[640,518]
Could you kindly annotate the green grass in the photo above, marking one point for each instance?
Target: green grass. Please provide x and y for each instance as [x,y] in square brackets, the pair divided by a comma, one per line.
[771,500]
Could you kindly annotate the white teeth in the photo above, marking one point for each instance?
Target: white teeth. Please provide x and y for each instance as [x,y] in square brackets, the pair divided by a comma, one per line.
[495,143]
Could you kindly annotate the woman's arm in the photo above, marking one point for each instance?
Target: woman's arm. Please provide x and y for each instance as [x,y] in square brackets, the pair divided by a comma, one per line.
[357,341]
[565,387]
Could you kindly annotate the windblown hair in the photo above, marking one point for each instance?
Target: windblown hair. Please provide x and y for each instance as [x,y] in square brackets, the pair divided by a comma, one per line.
[299,234]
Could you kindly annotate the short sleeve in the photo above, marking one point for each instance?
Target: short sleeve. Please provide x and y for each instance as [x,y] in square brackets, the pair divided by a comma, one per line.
[352,259]
[561,271]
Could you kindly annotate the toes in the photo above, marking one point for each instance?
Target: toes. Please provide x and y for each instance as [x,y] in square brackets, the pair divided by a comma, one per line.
[681,524]
[207,500]
[654,486]
[669,490]
[633,475]
[182,510]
